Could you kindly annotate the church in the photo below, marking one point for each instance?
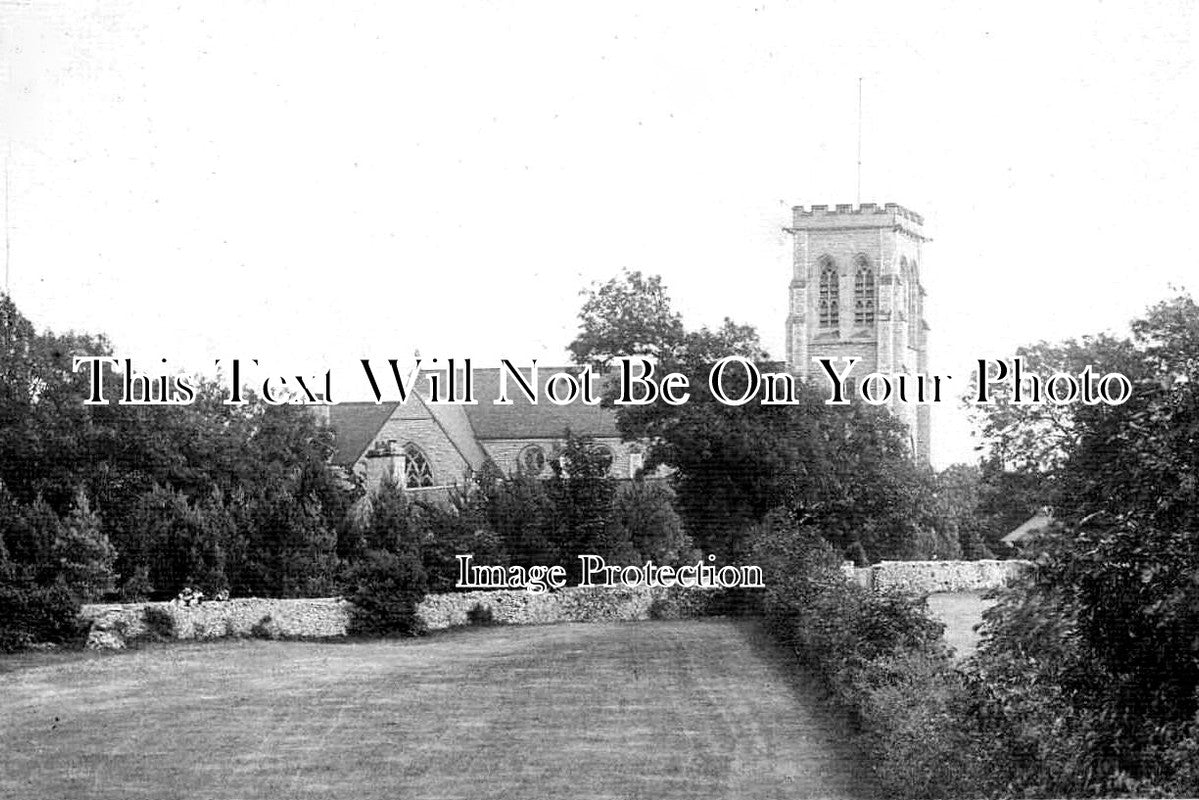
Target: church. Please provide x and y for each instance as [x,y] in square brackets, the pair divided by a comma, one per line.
[427,447]
[854,291]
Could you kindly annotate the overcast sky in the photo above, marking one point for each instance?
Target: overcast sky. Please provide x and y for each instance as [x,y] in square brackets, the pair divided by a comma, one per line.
[311,183]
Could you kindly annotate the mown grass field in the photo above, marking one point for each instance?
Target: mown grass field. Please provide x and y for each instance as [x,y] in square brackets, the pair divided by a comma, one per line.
[961,612]
[697,708]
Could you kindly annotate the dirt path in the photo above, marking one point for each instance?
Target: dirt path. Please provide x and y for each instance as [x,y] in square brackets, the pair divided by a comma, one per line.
[636,710]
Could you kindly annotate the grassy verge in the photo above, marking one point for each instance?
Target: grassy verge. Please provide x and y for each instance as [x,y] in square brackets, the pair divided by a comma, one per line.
[658,709]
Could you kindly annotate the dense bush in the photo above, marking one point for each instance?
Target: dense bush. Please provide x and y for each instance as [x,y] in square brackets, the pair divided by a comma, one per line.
[160,624]
[1059,719]
[386,590]
[31,614]
[880,656]
[444,534]
[647,526]
[1087,682]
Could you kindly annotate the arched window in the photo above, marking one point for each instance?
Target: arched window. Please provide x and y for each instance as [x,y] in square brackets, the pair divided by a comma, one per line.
[531,460]
[830,294]
[416,468]
[863,294]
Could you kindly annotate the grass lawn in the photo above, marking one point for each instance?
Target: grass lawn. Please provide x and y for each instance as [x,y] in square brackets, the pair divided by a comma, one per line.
[960,611]
[695,708]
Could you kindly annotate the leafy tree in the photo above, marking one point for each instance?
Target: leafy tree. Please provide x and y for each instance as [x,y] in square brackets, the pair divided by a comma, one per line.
[956,498]
[644,516]
[1035,437]
[847,470]
[629,315]
[1102,636]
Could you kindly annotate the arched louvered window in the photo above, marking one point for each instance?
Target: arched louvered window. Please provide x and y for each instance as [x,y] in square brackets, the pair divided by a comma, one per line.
[416,468]
[864,293]
[830,294]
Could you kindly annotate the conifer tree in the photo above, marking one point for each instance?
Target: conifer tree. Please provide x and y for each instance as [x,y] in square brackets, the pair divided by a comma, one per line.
[84,555]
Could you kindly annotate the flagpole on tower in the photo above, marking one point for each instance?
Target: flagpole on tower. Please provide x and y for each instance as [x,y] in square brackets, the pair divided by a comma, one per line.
[859,140]
[7,240]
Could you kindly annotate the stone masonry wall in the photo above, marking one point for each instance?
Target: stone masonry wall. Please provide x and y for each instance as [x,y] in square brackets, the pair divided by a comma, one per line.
[926,577]
[112,625]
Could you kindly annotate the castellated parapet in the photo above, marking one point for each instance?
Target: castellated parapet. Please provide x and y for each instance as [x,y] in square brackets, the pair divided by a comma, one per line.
[866,215]
[855,291]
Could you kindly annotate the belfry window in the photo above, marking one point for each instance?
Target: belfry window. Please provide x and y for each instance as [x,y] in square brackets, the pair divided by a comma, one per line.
[830,295]
[416,468]
[864,292]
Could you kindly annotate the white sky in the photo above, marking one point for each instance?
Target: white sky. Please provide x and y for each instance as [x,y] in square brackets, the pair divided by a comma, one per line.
[309,184]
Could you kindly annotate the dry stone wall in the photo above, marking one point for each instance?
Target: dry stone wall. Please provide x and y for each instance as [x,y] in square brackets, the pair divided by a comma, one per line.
[927,577]
[113,625]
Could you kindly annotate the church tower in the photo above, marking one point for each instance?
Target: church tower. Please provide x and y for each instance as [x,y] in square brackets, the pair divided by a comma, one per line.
[855,291]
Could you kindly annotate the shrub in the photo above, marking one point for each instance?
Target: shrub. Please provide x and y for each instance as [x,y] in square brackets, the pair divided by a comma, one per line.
[881,657]
[478,615]
[387,589]
[444,534]
[262,629]
[159,622]
[644,517]
[36,614]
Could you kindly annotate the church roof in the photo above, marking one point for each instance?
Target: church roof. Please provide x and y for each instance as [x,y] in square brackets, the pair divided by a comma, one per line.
[357,424]
[1034,524]
[523,420]
[453,420]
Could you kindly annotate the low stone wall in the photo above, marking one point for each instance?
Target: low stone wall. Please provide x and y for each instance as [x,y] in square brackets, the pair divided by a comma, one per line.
[572,604]
[113,625]
[926,577]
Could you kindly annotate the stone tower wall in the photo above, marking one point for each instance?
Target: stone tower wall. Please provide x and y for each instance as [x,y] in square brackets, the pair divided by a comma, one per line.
[890,239]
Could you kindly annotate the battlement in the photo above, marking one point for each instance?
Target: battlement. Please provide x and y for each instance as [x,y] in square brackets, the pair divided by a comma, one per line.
[866,215]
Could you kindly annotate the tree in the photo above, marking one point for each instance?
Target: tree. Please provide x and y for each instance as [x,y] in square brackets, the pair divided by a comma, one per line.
[956,498]
[644,517]
[185,543]
[582,493]
[1035,437]
[84,554]
[847,470]
[629,315]
[519,509]
[1103,634]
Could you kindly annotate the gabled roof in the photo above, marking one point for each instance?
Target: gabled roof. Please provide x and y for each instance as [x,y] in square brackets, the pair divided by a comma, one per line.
[1034,524]
[523,420]
[355,426]
[452,419]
